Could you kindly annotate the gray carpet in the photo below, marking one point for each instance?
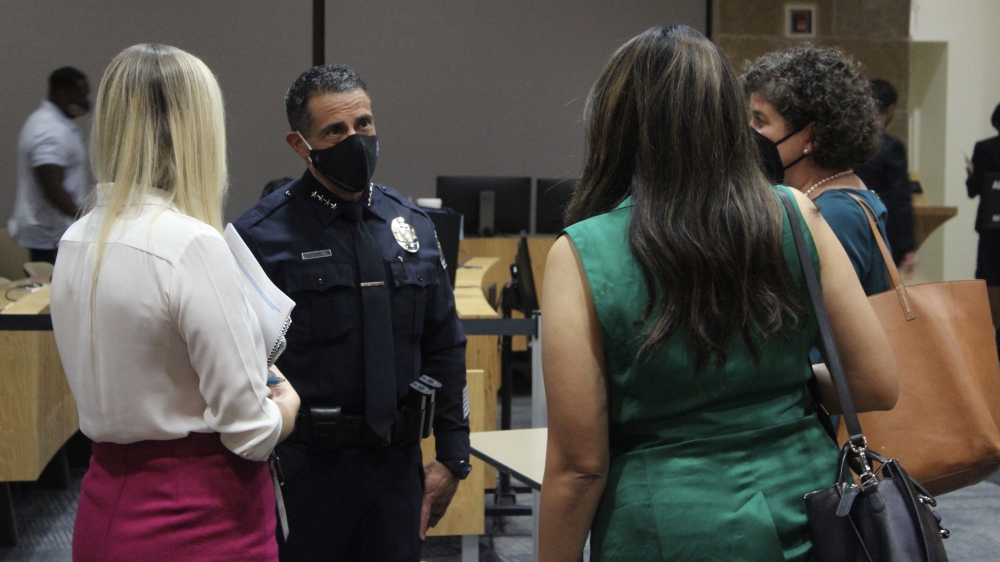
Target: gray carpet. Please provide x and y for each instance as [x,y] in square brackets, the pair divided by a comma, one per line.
[973,516]
[44,522]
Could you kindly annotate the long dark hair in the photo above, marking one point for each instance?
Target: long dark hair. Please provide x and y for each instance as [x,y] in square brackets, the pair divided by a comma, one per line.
[667,123]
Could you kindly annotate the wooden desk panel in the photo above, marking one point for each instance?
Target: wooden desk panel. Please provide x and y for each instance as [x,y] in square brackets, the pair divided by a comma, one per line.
[470,300]
[37,411]
[466,514]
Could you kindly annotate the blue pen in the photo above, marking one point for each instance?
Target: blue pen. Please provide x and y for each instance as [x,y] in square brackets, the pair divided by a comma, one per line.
[274,380]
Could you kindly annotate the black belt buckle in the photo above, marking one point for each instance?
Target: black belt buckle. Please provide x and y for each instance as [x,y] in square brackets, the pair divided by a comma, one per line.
[325,431]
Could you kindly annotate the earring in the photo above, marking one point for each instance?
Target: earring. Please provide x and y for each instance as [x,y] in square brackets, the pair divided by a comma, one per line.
[806,151]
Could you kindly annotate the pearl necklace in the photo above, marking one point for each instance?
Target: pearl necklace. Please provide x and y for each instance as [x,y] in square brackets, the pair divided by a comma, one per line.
[821,182]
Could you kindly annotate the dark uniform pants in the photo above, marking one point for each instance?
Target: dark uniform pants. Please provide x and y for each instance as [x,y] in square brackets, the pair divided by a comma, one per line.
[356,504]
[988,257]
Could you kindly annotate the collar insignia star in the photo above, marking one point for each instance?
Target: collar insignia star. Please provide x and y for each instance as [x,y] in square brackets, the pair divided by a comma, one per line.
[323,199]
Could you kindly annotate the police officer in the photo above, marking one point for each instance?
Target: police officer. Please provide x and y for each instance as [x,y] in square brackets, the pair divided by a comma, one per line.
[374,313]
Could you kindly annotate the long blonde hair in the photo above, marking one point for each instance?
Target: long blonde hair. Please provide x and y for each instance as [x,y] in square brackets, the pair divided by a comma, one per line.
[159,122]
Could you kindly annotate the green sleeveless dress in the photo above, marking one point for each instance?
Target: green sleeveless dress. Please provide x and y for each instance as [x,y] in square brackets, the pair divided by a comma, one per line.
[709,467]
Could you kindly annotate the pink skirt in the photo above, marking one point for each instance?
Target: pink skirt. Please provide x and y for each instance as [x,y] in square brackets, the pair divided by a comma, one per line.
[188,499]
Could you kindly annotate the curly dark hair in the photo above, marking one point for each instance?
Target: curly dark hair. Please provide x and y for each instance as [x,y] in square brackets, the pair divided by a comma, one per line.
[821,85]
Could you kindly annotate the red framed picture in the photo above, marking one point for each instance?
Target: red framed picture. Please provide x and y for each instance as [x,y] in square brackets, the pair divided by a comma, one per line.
[800,20]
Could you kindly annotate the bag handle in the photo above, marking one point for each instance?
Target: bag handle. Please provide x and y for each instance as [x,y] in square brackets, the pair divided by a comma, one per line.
[836,367]
[890,264]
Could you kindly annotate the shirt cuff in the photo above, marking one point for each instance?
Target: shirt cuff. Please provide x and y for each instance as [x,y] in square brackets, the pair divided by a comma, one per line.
[452,445]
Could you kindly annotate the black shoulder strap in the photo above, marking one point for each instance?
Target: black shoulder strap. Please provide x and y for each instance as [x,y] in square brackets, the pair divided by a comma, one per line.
[825,329]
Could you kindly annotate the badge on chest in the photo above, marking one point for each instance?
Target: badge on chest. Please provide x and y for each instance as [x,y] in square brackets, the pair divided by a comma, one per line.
[405,235]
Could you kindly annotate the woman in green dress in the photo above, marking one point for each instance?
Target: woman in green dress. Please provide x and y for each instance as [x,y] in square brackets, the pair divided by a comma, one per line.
[677,330]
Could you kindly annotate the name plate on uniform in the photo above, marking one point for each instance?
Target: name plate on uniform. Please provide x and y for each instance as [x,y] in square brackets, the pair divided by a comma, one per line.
[991,201]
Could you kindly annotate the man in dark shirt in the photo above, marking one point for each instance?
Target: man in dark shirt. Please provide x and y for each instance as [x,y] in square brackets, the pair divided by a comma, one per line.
[886,174]
[374,313]
[983,173]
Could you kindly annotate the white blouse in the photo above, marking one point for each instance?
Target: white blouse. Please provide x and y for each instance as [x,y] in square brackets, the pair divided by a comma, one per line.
[172,346]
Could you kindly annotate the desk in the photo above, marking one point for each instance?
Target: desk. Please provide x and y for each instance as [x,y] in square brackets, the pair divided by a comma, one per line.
[518,451]
[37,411]
[927,218]
[505,248]
[481,352]
[469,298]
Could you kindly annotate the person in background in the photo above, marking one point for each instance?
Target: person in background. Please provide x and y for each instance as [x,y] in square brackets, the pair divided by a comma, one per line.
[374,312]
[887,175]
[982,173]
[274,185]
[51,166]
[163,353]
[812,103]
[677,330]
[815,108]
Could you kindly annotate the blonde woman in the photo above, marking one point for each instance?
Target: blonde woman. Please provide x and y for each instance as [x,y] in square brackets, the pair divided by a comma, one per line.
[163,354]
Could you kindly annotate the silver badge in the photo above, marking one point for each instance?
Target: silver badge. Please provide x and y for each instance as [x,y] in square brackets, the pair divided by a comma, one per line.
[405,235]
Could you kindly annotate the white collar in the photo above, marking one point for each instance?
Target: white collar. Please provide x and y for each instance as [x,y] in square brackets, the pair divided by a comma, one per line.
[151,196]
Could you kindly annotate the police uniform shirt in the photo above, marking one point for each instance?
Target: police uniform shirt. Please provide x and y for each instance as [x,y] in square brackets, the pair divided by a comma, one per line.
[302,238]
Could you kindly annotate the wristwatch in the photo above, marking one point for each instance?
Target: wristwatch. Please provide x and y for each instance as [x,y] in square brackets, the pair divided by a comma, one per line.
[459,468]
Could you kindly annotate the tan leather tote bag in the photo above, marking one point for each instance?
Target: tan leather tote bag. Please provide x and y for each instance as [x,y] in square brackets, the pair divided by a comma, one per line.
[944,426]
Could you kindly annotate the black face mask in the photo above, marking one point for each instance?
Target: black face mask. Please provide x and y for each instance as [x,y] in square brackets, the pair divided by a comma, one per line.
[770,157]
[773,168]
[349,164]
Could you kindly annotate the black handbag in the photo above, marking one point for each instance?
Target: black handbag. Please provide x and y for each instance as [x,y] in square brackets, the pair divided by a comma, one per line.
[884,516]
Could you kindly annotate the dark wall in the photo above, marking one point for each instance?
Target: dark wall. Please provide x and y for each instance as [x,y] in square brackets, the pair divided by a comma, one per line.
[458,87]
[485,88]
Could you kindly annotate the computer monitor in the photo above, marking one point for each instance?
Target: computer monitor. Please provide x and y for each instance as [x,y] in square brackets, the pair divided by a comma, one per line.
[448,225]
[553,196]
[490,204]
[528,297]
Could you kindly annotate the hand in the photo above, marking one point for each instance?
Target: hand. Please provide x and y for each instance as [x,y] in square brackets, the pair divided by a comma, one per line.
[908,264]
[439,487]
[288,401]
